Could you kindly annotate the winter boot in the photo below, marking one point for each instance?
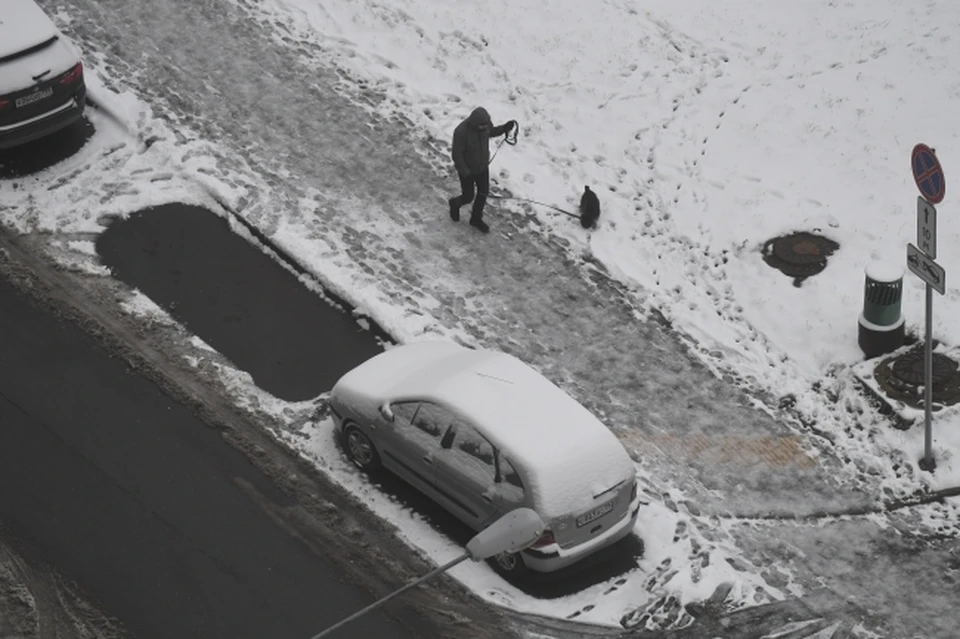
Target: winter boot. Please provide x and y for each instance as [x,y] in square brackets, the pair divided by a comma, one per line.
[479,224]
[454,209]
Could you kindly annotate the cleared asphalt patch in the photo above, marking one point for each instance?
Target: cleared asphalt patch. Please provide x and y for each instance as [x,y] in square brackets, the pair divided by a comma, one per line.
[234,297]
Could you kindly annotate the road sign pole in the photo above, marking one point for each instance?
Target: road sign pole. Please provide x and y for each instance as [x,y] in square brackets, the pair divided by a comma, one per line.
[928,174]
[928,463]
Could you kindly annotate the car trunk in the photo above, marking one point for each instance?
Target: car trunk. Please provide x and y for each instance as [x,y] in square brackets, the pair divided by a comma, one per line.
[48,93]
[603,512]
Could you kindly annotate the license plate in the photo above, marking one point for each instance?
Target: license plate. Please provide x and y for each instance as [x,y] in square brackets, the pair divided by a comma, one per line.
[34,97]
[594,514]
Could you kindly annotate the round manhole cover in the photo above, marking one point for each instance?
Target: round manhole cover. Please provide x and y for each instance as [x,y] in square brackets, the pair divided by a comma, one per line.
[908,368]
[801,249]
[799,255]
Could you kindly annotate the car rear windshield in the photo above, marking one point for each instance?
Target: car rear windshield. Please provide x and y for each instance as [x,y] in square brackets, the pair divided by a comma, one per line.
[25,52]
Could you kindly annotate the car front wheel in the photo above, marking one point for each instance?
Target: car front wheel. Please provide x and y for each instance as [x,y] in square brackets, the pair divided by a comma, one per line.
[360,449]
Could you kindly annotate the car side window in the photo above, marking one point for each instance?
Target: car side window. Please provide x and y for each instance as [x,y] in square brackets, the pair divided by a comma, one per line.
[474,454]
[404,412]
[419,424]
[510,485]
[433,419]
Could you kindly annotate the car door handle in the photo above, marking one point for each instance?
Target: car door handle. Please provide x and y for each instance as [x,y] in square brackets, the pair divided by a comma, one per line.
[487,498]
[428,460]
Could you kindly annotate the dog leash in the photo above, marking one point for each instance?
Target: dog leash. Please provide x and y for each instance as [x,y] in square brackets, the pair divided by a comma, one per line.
[523,199]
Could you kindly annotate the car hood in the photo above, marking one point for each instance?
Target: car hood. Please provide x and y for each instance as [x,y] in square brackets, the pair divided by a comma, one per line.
[23,25]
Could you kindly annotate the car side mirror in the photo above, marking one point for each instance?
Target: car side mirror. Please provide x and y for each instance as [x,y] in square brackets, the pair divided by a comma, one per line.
[386,413]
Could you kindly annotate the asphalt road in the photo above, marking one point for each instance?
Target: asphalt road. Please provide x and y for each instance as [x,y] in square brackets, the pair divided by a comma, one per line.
[160,521]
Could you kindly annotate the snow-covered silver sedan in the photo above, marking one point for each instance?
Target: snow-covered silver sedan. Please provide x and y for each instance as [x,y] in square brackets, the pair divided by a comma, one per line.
[482,433]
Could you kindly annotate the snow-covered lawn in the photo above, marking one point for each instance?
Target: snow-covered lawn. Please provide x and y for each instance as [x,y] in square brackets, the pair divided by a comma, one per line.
[706,128]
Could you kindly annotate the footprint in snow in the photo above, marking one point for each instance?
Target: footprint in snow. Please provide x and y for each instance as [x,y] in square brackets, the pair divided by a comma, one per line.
[680,531]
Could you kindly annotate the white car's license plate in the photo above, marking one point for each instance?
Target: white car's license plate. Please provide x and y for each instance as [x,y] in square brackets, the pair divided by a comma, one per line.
[34,97]
[594,514]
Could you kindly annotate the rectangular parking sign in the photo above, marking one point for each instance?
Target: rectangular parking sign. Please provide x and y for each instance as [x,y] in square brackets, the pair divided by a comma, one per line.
[923,266]
[926,227]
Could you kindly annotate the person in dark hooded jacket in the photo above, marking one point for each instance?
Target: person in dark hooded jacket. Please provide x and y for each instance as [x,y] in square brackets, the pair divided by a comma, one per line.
[471,156]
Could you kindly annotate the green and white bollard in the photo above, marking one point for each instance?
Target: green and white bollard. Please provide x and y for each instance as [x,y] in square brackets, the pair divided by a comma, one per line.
[881,322]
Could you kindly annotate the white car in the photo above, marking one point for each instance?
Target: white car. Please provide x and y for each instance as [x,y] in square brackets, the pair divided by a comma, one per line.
[482,433]
[41,75]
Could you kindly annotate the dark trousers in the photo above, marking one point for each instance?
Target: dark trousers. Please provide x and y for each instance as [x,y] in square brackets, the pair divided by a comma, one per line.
[479,182]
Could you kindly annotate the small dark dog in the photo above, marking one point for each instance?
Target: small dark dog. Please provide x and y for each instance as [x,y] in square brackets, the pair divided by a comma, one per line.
[589,208]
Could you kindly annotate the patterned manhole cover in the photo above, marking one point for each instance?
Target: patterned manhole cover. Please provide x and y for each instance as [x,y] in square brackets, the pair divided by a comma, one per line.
[900,378]
[799,255]
[909,368]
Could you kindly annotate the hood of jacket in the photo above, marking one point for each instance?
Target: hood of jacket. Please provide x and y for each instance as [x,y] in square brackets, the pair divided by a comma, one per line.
[479,117]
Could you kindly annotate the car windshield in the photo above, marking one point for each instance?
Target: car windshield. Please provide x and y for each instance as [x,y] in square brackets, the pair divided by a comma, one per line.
[29,50]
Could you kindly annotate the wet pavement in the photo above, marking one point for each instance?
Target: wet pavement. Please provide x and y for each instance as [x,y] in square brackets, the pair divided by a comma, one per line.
[162,522]
[293,342]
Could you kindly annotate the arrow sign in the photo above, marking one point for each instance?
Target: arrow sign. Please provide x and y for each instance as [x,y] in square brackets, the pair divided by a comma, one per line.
[926,269]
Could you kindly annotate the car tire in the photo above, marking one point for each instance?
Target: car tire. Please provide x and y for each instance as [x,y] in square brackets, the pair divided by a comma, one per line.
[360,449]
[510,566]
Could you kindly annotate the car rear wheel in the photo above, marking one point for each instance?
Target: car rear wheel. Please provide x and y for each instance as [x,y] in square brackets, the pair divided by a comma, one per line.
[360,449]
[509,565]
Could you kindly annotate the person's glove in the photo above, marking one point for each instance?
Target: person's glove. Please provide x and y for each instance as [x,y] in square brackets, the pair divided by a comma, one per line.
[511,125]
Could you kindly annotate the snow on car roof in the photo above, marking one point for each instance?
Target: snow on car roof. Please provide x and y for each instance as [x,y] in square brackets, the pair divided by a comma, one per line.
[23,24]
[567,452]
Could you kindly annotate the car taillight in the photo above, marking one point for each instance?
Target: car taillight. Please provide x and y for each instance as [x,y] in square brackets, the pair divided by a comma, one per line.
[633,492]
[545,539]
[73,74]
[3,104]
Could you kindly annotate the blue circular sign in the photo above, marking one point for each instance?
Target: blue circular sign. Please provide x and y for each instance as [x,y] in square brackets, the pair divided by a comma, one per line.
[928,174]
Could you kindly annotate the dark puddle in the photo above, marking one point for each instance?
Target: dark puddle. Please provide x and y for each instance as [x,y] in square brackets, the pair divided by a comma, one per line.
[293,342]
[43,153]
[609,563]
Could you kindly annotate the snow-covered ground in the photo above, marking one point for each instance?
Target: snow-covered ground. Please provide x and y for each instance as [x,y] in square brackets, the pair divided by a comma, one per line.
[707,128]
